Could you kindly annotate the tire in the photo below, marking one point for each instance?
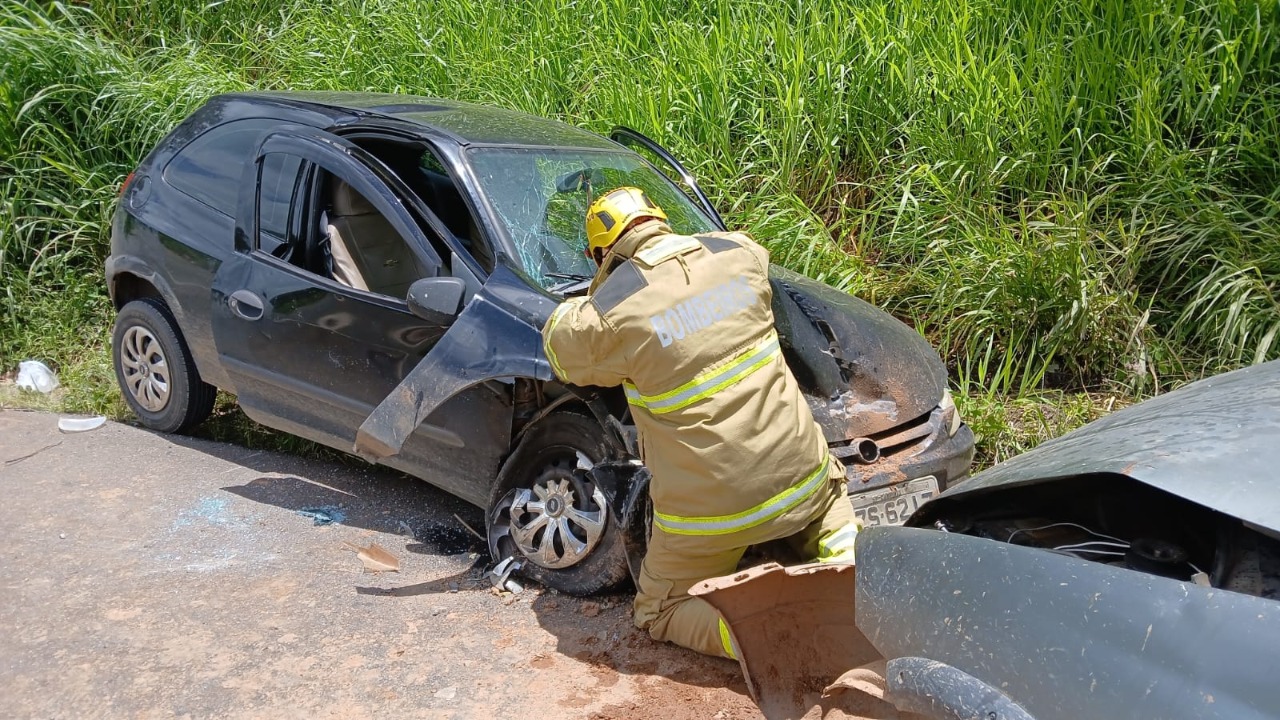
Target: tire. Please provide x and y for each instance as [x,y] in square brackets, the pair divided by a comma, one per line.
[155,371]
[542,469]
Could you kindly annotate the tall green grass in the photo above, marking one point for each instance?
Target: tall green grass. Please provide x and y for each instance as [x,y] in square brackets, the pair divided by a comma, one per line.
[1058,193]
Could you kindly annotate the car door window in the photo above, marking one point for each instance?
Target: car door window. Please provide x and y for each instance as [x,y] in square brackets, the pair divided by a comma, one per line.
[277,187]
[344,236]
[439,190]
[365,251]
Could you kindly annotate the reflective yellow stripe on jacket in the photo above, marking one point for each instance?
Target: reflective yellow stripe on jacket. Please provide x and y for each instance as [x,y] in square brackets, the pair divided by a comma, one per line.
[546,340]
[762,513]
[839,545]
[709,383]
[726,642]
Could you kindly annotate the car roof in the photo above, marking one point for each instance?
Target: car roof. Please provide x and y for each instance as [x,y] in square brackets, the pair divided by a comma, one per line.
[468,123]
[1213,442]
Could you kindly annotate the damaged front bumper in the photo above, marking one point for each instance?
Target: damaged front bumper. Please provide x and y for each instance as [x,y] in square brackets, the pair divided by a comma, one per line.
[919,449]
[1063,637]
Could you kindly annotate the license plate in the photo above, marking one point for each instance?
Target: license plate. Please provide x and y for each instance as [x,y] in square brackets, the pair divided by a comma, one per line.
[893,505]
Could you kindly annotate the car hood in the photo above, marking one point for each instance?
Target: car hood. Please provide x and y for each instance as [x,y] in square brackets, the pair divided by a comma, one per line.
[1215,442]
[863,370]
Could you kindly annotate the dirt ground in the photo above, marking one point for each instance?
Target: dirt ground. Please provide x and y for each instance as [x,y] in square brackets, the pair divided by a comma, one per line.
[153,576]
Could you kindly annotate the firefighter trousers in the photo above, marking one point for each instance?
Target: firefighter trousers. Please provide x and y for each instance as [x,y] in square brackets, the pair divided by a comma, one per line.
[823,531]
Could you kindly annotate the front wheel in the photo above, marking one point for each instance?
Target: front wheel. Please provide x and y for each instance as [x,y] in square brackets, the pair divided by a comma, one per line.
[550,516]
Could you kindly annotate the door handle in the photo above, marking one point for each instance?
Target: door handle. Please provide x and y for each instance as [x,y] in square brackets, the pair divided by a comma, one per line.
[245,305]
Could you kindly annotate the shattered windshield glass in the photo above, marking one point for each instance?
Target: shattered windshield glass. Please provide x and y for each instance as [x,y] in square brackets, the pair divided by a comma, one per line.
[541,196]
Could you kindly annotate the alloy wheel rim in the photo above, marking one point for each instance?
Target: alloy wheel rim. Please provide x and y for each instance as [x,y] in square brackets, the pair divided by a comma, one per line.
[145,368]
[546,523]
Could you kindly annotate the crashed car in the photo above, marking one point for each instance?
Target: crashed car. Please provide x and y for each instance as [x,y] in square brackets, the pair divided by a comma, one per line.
[371,272]
[1128,569]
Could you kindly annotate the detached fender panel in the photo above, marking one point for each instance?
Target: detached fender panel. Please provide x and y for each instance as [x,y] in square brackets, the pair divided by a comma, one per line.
[1068,638]
[794,633]
[498,336]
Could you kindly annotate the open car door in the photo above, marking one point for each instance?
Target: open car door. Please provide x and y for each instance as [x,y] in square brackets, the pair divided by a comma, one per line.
[309,354]
[498,336]
[668,165]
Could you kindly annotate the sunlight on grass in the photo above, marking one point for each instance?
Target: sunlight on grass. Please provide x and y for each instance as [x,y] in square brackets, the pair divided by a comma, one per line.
[1061,196]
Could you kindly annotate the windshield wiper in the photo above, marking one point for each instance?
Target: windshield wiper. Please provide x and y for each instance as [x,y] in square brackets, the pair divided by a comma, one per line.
[576,277]
[571,281]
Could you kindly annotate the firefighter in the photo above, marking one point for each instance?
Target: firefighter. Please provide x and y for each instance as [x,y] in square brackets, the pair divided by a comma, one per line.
[685,325]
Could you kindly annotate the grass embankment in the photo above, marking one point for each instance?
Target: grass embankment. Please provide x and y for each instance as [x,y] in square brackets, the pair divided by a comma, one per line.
[1062,195]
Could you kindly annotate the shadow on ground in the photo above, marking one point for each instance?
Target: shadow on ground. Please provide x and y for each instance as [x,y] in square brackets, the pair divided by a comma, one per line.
[597,631]
[370,497]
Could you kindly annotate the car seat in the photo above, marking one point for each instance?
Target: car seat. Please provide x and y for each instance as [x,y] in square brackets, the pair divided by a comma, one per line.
[368,252]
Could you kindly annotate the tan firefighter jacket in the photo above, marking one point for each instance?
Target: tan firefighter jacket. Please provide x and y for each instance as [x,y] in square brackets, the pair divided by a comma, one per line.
[685,325]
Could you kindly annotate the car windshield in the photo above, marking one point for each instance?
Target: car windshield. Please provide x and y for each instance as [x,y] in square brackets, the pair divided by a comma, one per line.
[541,197]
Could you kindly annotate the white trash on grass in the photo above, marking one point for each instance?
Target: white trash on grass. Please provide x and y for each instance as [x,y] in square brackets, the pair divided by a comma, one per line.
[35,375]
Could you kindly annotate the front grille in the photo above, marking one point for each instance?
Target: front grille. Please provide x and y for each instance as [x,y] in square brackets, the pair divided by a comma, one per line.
[903,437]
[895,440]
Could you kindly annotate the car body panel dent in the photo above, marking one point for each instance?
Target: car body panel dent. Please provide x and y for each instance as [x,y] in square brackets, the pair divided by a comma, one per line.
[871,371]
[1213,442]
[497,336]
[1021,619]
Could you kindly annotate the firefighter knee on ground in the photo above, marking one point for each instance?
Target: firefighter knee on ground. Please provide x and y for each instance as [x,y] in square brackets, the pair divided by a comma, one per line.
[684,324]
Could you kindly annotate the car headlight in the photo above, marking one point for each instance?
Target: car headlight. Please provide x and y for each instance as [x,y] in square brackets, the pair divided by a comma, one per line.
[950,415]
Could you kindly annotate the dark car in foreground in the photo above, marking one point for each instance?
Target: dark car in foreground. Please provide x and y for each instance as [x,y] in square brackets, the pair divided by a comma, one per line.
[1130,569]
[371,272]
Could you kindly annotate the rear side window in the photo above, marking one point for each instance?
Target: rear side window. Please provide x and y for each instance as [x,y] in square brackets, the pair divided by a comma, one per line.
[208,168]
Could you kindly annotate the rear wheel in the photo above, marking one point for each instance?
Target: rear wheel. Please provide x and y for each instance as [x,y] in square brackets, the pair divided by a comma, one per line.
[155,371]
[553,519]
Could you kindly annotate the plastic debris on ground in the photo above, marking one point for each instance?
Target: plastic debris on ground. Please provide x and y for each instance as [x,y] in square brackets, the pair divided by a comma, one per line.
[36,376]
[500,576]
[323,515]
[75,425]
[375,559]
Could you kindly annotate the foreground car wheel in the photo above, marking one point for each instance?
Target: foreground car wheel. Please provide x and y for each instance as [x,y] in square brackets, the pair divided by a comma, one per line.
[552,519]
[155,370]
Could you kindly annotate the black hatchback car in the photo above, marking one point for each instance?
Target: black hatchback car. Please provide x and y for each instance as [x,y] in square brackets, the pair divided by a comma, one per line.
[371,272]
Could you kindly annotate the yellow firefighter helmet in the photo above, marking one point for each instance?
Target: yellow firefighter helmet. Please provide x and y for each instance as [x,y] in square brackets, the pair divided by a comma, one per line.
[612,212]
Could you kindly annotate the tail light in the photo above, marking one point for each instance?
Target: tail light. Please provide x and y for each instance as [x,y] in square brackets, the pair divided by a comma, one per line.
[125,185]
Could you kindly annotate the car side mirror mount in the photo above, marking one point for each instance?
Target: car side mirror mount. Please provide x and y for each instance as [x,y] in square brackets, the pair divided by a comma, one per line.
[436,300]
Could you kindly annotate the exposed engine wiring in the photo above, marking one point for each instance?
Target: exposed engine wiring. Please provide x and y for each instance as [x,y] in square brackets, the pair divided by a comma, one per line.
[1073,553]
[1087,546]
[1095,533]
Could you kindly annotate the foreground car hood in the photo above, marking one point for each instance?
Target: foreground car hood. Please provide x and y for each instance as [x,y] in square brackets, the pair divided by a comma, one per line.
[865,371]
[1215,442]
[1067,638]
